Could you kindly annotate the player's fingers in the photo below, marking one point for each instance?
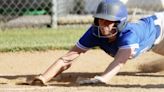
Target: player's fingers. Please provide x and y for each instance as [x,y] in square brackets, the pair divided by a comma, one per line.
[91,81]
[37,81]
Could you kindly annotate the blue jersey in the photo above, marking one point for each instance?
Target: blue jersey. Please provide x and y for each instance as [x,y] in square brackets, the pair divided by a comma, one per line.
[140,36]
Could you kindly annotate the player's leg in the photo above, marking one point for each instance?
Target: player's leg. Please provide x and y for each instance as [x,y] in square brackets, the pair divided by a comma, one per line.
[158,48]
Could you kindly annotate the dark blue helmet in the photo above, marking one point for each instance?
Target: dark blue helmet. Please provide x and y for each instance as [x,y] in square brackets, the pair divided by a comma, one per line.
[112,10]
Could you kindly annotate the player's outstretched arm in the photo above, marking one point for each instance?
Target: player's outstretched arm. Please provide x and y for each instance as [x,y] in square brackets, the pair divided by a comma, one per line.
[120,59]
[63,63]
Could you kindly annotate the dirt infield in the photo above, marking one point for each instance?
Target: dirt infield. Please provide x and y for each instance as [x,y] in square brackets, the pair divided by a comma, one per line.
[16,67]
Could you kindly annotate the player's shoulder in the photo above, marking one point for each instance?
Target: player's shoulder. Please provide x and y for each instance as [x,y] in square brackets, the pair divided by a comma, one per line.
[128,28]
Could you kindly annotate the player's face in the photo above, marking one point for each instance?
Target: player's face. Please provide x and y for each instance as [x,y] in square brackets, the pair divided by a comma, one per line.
[107,28]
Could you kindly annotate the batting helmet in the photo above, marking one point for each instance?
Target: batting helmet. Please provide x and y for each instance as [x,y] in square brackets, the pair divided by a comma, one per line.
[112,10]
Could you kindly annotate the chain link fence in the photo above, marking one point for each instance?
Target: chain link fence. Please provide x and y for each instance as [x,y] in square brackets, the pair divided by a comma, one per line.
[56,13]
[20,13]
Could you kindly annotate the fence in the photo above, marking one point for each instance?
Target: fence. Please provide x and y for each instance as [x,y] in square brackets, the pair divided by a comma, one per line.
[34,13]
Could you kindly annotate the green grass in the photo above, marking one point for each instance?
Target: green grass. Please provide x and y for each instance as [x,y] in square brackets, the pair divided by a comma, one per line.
[12,40]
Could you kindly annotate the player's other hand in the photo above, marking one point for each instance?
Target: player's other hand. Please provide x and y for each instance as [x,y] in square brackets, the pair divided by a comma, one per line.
[91,81]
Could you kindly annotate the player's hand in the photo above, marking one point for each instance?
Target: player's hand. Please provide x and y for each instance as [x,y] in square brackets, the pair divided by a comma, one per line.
[37,81]
[91,81]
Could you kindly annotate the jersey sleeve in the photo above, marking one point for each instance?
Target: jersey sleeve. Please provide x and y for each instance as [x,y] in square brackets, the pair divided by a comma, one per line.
[128,39]
[88,40]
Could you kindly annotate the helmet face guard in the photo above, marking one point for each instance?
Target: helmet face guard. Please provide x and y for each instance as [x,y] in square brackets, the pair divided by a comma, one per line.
[98,33]
[112,10]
